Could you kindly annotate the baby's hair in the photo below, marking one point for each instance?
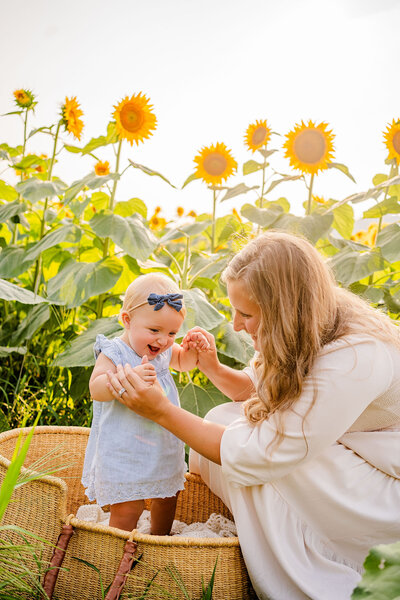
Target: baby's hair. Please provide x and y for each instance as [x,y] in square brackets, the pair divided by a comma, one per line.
[140,289]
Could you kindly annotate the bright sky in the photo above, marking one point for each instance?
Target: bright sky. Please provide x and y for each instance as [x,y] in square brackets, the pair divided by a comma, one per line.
[210,68]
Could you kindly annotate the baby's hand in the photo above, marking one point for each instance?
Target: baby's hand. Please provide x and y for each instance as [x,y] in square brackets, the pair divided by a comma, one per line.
[195,340]
[146,371]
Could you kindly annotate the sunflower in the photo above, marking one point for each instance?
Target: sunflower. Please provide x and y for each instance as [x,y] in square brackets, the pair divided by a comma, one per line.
[215,164]
[135,119]
[309,148]
[392,137]
[102,168]
[257,135]
[24,98]
[71,112]
[157,223]
[180,211]
[192,213]
[319,199]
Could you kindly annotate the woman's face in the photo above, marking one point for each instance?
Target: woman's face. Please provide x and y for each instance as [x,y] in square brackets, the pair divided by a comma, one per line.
[247,313]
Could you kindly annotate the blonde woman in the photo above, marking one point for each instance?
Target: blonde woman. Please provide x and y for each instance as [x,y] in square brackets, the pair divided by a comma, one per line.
[309,464]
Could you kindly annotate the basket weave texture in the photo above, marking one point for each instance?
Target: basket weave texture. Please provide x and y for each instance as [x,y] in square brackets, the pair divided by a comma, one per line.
[43,505]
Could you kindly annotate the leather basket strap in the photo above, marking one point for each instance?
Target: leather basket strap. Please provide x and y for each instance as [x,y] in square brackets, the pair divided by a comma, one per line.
[123,571]
[50,578]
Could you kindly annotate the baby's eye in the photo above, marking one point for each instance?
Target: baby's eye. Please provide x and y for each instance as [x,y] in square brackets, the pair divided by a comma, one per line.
[172,333]
[154,330]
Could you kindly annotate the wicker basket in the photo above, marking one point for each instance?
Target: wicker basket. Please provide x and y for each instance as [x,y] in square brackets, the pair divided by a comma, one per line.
[42,506]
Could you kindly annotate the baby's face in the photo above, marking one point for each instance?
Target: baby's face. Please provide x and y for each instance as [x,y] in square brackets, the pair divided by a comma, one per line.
[150,331]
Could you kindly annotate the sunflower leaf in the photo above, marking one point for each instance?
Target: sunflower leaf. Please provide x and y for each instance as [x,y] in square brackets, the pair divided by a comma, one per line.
[191,178]
[279,181]
[251,166]
[91,180]
[7,192]
[102,140]
[34,190]
[266,153]
[239,189]
[341,168]
[150,172]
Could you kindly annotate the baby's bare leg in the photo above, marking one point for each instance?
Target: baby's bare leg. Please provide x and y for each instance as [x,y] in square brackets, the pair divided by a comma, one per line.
[125,515]
[162,515]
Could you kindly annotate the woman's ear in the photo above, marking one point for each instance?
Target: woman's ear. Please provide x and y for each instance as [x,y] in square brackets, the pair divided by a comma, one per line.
[125,318]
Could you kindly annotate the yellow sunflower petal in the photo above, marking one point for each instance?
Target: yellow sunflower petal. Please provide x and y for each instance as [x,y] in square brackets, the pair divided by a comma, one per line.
[392,137]
[257,135]
[102,168]
[135,120]
[215,164]
[309,148]
[70,113]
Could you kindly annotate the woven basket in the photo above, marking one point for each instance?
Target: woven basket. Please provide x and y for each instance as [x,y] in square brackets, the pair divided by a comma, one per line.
[42,506]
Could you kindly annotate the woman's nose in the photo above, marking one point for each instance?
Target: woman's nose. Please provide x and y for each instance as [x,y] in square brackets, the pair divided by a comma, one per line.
[237,322]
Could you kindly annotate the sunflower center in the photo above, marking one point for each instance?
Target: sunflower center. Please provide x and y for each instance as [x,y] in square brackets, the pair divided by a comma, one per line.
[310,146]
[215,164]
[131,118]
[396,142]
[259,136]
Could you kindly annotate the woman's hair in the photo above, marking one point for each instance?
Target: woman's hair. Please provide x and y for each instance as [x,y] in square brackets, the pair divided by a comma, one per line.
[140,289]
[302,309]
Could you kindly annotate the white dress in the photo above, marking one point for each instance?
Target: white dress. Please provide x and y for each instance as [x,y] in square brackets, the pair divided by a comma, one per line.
[306,521]
[128,457]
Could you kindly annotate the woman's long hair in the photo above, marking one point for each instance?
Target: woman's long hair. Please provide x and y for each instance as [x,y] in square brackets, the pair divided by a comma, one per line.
[302,309]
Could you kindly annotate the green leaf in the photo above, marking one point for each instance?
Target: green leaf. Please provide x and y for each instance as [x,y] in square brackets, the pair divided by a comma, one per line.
[388,241]
[34,189]
[266,153]
[35,318]
[199,312]
[191,178]
[282,180]
[341,168]
[130,207]
[91,181]
[66,233]
[7,192]
[6,350]
[10,291]
[265,217]
[350,266]
[128,233]
[13,262]
[80,352]
[251,166]
[379,178]
[11,209]
[237,345]
[103,140]
[199,400]
[343,220]
[76,282]
[150,172]
[73,149]
[29,161]
[313,226]
[11,151]
[381,578]
[190,229]
[388,206]
[238,190]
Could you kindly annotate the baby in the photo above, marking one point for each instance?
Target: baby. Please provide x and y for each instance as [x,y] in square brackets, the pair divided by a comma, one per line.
[128,457]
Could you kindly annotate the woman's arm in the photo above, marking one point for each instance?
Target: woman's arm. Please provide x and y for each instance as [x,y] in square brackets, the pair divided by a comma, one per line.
[235,384]
[152,403]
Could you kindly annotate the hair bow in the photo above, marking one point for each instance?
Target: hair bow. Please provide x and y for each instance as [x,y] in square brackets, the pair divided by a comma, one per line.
[173,300]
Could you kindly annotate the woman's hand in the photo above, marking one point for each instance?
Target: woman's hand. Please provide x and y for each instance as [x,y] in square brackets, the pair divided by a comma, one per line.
[146,400]
[207,358]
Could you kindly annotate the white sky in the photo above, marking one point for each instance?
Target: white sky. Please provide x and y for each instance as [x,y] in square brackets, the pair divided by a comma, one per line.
[210,67]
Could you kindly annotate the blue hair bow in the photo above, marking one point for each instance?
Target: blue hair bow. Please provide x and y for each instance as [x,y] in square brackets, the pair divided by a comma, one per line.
[173,300]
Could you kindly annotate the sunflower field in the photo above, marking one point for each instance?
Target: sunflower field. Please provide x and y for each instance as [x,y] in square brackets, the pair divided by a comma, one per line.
[70,249]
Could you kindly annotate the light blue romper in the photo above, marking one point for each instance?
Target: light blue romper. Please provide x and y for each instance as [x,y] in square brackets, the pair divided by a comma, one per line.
[128,457]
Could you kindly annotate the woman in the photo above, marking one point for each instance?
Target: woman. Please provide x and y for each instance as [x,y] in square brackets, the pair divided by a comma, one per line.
[310,464]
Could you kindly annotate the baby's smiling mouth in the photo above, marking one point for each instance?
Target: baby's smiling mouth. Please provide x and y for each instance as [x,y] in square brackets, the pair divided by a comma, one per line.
[153,349]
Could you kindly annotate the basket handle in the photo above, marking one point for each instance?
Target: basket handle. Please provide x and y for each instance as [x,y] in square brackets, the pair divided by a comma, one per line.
[123,571]
[50,578]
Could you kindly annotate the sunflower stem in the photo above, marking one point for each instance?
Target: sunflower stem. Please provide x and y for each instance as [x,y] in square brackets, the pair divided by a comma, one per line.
[106,247]
[38,268]
[262,187]
[15,232]
[186,263]
[213,222]
[308,211]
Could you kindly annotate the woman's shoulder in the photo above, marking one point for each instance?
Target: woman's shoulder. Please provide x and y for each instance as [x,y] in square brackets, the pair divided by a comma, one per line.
[359,342]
